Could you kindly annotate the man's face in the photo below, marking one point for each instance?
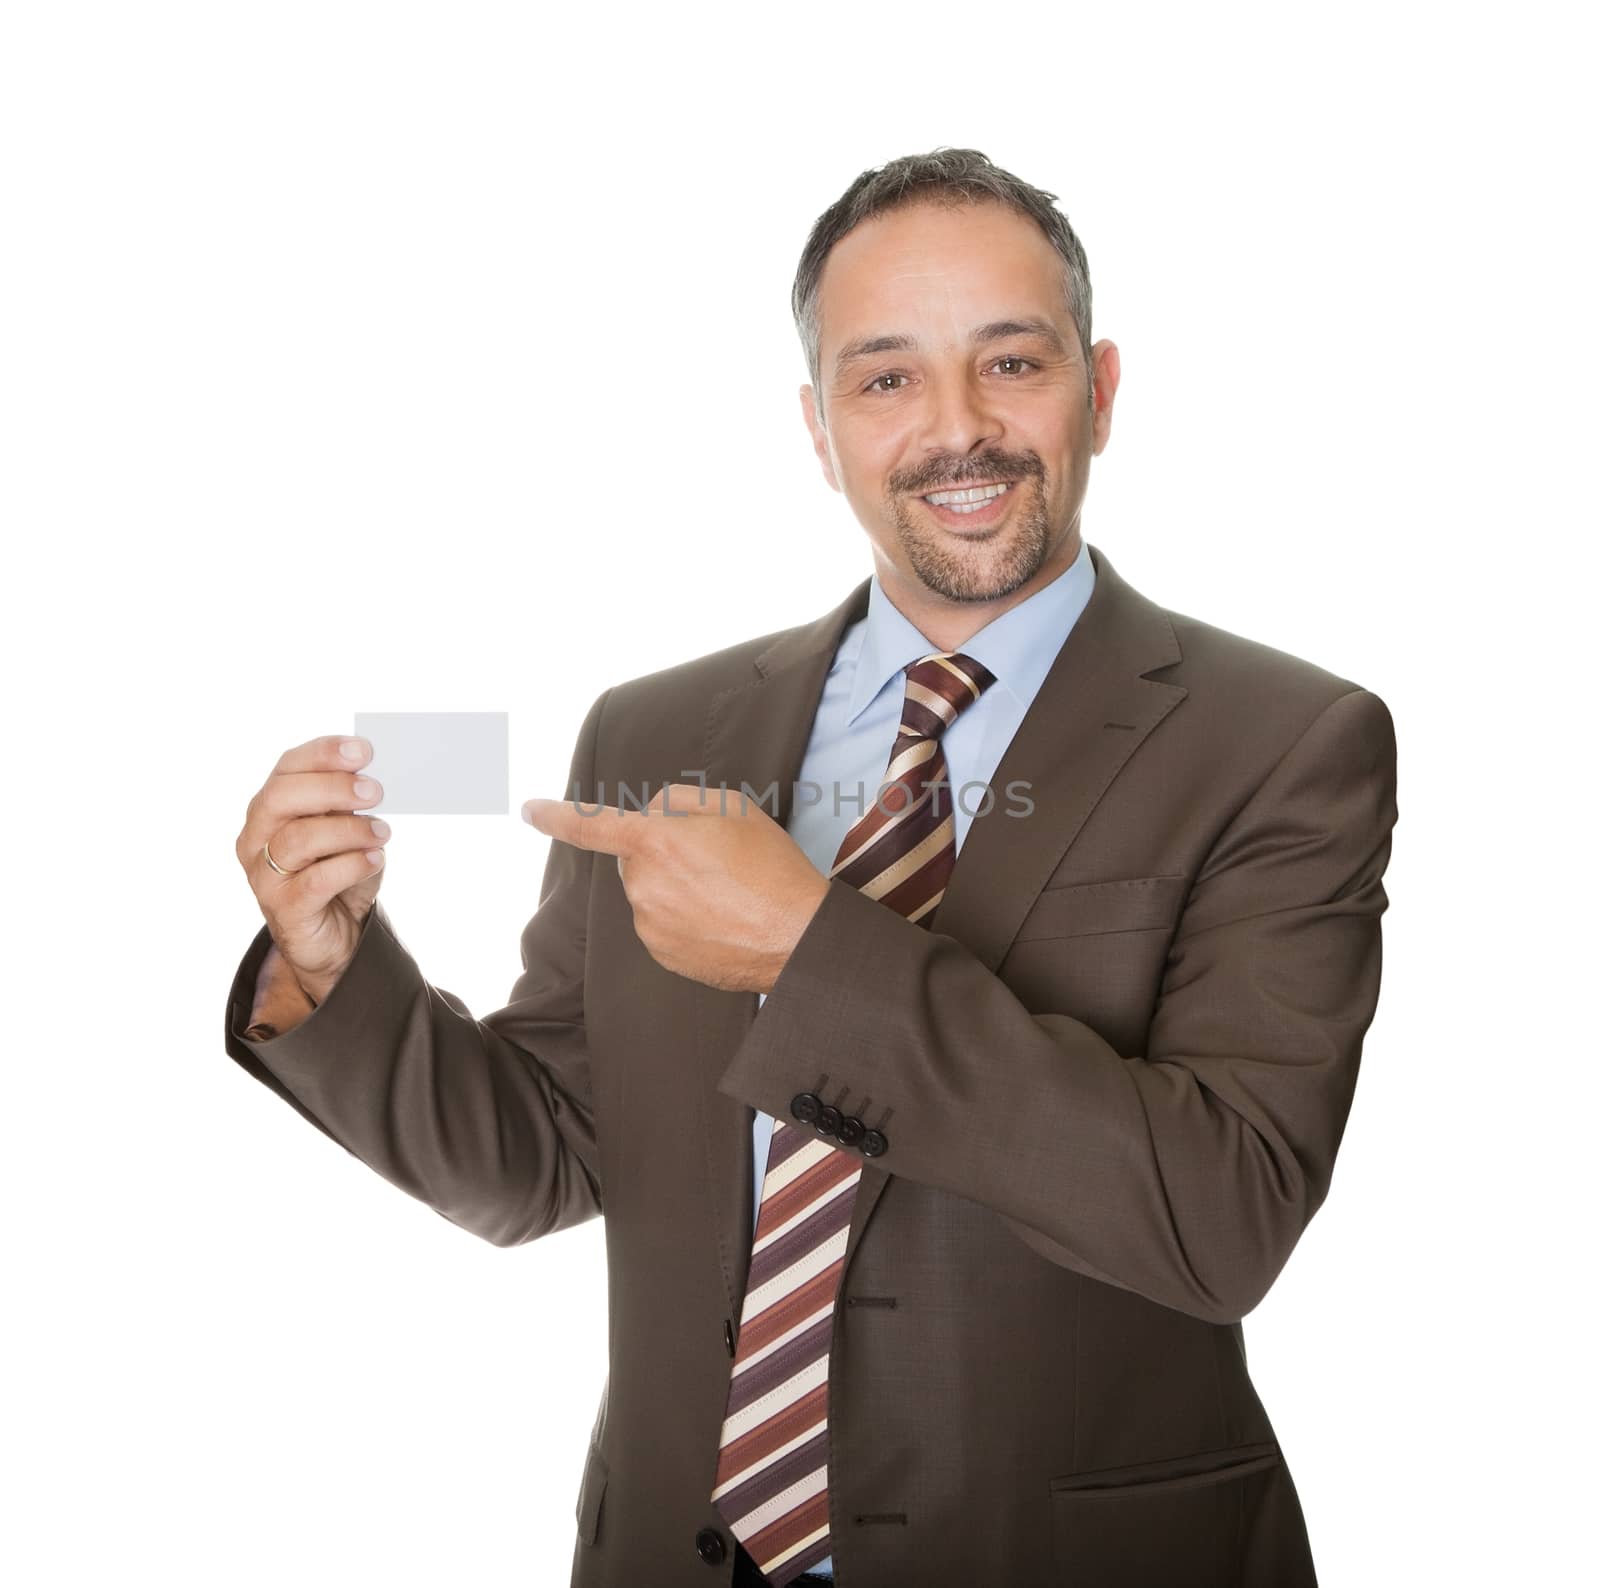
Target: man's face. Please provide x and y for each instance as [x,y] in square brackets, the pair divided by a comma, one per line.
[949,359]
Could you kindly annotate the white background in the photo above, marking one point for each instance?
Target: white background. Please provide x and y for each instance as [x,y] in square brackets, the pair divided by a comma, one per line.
[363,357]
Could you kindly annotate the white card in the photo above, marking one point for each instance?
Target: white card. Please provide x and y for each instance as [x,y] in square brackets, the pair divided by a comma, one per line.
[439,763]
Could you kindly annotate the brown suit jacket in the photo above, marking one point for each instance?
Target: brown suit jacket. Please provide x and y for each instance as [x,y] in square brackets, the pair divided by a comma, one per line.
[1113,1077]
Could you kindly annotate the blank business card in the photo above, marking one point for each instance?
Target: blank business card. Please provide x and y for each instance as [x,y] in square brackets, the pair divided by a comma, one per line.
[439,763]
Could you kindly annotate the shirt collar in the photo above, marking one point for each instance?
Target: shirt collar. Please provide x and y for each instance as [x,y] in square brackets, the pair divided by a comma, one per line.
[1017,647]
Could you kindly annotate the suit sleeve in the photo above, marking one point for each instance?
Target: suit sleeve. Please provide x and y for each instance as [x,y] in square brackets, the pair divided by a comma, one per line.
[279,1001]
[1187,1173]
[490,1122]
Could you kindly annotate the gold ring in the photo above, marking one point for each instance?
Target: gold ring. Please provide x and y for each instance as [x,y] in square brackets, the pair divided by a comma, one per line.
[266,849]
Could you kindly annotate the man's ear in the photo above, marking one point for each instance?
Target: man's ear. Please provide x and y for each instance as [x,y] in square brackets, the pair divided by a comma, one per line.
[819,435]
[1107,373]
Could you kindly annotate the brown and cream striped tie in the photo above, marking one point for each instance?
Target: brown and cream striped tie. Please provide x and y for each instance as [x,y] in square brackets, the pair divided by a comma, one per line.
[772,1472]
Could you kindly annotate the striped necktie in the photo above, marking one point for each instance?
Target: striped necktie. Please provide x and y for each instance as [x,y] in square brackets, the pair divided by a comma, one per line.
[772,1470]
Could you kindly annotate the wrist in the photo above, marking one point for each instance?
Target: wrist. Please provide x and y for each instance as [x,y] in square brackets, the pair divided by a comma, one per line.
[806,901]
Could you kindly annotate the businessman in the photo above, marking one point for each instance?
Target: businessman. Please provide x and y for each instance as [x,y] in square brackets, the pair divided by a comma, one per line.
[953,1005]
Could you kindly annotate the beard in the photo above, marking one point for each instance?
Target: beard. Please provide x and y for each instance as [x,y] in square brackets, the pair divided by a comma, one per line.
[982,567]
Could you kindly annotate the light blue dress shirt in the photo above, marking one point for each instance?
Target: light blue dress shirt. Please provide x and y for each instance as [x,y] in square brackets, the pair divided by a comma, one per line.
[858,717]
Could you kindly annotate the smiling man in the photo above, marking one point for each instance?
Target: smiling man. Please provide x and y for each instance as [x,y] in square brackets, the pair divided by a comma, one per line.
[961,438]
[935,1189]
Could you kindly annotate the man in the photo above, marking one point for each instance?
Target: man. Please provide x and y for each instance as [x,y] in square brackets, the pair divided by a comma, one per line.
[934,1192]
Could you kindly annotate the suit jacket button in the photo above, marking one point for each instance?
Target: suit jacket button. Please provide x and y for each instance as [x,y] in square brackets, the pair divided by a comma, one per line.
[874,1144]
[828,1120]
[805,1106]
[850,1130]
[709,1547]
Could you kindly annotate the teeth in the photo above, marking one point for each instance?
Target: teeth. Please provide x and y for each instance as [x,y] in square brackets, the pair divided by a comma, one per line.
[973,494]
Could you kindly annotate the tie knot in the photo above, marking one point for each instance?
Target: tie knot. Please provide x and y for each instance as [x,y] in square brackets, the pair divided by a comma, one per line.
[939,688]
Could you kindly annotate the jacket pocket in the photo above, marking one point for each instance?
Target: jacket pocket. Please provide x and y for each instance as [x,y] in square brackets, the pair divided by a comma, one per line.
[1177,1522]
[590,1493]
[1129,904]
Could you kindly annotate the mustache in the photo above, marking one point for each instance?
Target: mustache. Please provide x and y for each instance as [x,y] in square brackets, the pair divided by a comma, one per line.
[953,474]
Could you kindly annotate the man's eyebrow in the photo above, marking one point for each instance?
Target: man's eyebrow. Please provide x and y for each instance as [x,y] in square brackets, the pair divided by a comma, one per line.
[994,331]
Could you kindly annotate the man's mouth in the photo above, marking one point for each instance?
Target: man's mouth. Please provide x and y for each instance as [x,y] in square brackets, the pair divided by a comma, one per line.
[968,498]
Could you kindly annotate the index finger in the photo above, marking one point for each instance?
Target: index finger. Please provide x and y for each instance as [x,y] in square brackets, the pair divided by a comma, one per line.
[329,752]
[611,831]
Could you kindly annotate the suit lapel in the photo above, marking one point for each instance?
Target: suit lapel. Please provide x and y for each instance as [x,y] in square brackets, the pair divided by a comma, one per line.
[1093,711]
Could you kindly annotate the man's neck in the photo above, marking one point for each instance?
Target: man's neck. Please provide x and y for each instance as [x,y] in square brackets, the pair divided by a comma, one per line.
[947,624]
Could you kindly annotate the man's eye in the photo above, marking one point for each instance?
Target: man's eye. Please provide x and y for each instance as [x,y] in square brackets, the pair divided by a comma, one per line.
[877,382]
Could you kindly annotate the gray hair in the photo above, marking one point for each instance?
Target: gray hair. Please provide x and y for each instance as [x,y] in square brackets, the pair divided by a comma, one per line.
[944,176]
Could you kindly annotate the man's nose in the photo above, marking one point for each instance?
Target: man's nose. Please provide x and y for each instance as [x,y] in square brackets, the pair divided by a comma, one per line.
[960,417]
